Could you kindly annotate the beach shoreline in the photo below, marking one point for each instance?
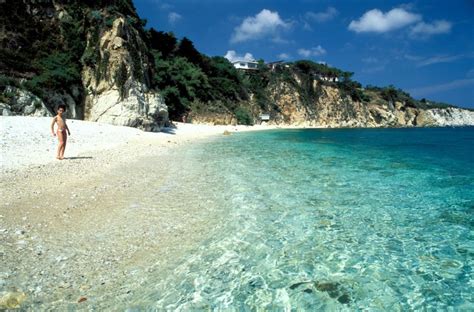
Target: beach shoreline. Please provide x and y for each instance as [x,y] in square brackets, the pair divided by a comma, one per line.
[27,141]
[75,228]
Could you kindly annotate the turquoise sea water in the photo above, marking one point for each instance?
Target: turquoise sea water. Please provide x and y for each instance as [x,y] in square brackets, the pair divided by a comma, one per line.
[348,219]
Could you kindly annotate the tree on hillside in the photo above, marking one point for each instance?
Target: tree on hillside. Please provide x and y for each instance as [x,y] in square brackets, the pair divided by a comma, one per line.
[186,49]
[181,82]
[224,79]
[346,76]
[163,42]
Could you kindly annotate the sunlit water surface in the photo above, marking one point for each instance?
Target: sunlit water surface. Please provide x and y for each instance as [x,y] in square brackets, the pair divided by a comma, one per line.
[378,219]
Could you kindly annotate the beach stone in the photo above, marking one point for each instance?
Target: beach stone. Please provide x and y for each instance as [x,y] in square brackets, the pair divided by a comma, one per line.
[81,299]
[61,258]
[12,300]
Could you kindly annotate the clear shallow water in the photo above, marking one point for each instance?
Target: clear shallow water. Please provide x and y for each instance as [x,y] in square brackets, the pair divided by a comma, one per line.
[378,219]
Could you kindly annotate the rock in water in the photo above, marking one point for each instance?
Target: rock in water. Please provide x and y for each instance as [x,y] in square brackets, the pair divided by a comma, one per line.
[12,300]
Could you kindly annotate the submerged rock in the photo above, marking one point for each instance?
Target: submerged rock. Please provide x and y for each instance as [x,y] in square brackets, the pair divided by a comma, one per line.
[334,289]
[12,300]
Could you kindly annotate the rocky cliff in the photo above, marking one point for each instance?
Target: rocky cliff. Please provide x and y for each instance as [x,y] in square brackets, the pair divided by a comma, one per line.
[329,107]
[117,88]
[89,55]
[299,101]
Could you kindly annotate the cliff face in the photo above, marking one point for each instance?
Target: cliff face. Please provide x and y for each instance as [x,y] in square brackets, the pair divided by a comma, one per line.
[321,105]
[89,55]
[116,88]
[296,95]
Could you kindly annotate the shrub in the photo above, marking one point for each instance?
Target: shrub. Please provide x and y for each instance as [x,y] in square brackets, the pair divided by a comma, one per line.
[57,71]
[243,116]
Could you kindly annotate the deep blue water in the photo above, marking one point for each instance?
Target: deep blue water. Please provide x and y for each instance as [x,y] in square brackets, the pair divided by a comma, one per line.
[346,219]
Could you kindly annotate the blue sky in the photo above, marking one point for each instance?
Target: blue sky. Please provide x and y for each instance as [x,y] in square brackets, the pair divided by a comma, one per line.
[425,47]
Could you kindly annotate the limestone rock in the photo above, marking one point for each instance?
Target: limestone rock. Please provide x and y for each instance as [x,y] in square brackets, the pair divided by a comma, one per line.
[424,118]
[332,109]
[22,102]
[5,109]
[118,94]
[452,116]
[72,110]
[146,111]
[211,118]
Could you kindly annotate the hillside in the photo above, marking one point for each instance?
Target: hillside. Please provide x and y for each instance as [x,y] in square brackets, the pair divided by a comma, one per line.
[90,55]
[98,58]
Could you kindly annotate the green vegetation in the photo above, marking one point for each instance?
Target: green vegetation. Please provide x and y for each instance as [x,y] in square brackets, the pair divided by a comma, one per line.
[316,69]
[7,81]
[243,116]
[120,77]
[56,71]
[185,76]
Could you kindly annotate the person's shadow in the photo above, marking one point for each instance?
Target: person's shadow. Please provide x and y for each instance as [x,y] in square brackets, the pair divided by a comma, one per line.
[79,157]
[169,130]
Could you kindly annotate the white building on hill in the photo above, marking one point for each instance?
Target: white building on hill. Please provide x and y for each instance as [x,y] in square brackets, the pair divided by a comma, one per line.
[245,65]
[326,78]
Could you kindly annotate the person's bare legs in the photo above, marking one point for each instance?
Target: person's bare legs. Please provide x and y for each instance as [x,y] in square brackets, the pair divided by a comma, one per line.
[61,144]
[64,143]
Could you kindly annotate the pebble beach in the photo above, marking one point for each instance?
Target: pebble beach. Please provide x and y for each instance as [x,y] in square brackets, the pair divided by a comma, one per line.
[69,235]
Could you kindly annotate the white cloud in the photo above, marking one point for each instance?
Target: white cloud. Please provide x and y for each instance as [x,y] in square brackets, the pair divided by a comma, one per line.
[407,6]
[437,27]
[166,6]
[373,65]
[174,17]
[317,51]
[370,60]
[322,17]
[284,56]
[425,61]
[439,59]
[265,23]
[374,69]
[232,56]
[456,84]
[413,57]
[379,22]
[304,52]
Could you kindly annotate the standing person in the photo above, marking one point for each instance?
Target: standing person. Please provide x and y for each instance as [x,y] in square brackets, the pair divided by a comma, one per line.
[60,120]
